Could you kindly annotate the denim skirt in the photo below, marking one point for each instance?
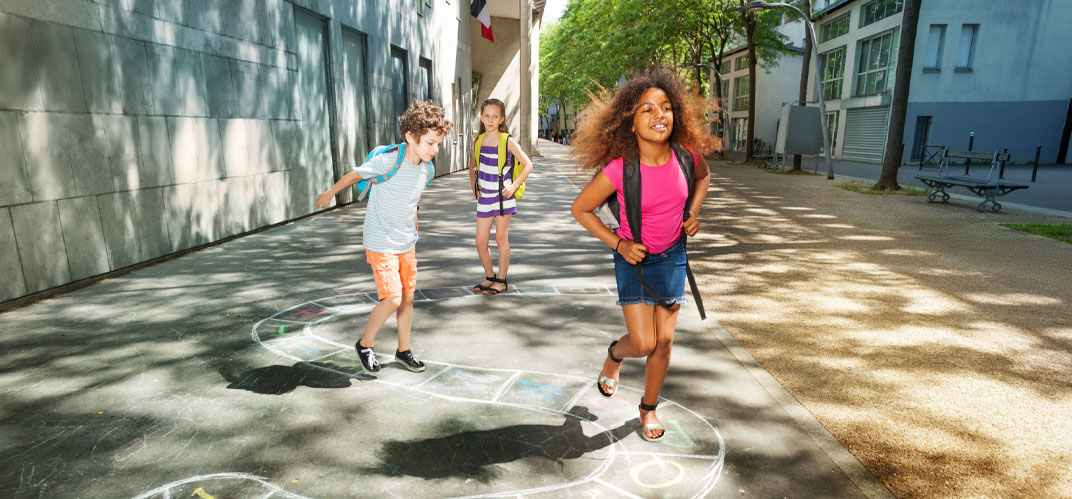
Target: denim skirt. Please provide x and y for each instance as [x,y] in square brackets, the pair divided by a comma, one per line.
[663,272]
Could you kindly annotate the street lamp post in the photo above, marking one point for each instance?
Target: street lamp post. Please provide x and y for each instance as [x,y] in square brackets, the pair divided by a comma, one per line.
[761,5]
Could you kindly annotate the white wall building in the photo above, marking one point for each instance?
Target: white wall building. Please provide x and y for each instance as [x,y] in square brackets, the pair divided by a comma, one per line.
[995,69]
[133,130]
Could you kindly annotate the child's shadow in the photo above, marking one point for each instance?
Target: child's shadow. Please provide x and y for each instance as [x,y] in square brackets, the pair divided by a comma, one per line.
[277,380]
[468,454]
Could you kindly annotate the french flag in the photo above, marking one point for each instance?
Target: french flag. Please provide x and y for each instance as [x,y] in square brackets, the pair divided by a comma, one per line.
[479,10]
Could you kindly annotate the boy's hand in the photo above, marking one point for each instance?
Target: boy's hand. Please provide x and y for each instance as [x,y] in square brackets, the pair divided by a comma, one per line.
[323,200]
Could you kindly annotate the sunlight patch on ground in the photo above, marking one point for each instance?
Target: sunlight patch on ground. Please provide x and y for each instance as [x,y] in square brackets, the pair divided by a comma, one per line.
[1011,299]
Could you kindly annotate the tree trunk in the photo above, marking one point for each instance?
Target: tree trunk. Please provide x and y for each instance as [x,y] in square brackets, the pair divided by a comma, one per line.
[750,33]
[891,159]
[805,70]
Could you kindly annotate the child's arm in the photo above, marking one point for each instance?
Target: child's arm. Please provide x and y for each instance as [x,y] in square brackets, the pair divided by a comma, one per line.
[472,171]
[701,180]
[324,199]
[583,210]
[526,163]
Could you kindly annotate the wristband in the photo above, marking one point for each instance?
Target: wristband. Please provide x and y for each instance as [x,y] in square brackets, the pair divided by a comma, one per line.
[619,244]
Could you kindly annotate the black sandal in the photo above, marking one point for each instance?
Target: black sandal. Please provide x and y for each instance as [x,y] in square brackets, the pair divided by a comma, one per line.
[644,429]
[610,382]
[480,288]
[490,291]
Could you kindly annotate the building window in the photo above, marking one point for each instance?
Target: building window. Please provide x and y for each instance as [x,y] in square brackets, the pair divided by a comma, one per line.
[879,10]
[878,54]
[834,29]
[932,60]
[400,78]
[741,101]
[426,79]
[724,68]
[742,63]
[966,51]
[725,90]
[833,69]
[831,129]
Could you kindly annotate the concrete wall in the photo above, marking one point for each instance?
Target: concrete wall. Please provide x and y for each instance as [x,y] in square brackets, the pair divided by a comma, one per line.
[134,129]
[499,65]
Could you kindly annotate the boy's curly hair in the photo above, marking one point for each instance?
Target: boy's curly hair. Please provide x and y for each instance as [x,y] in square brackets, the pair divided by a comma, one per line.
[604,128]
[422,117]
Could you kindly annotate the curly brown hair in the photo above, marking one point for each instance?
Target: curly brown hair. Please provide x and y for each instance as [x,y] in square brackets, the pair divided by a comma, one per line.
[604,131]
[422,117]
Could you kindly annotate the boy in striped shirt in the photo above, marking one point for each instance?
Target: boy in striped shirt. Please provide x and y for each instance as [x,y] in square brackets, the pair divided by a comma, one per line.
[390,228]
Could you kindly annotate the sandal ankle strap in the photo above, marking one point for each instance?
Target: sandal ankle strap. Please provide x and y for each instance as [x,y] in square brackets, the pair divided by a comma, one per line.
[646,407]
[610,353]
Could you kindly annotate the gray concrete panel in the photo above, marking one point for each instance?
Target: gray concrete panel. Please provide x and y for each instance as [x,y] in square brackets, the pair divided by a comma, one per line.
[219,89]
[88,149]
[238,200]
[263,150]
[208,15]
[15,188]
[171,10]
[195,149]
[272,205]
[19,81]
[60,80]
[164,80]
[190,210]
[150,224]
[87,253]
[121,137]
[98,65]
[300,197]
[154,152]
[252,84]
[289,140]
[41,249]
[79,13]
[119,226]
[133,76]
[236,137]
[141,27]
[47,163]
[191,82]
[13,285]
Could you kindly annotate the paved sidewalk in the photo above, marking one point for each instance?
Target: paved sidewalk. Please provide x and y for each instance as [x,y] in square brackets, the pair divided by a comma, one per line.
[230,372]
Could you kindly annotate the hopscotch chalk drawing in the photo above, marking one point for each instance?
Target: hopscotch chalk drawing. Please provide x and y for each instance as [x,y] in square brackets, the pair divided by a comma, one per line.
[686,462]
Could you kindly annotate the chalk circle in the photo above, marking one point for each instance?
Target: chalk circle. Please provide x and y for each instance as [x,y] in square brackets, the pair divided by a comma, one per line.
[637,468]
[293,333]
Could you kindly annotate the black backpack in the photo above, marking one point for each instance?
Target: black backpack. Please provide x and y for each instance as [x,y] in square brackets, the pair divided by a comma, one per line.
[631,191]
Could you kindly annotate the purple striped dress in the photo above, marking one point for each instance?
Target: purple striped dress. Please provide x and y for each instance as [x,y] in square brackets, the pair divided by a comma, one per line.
[491,202]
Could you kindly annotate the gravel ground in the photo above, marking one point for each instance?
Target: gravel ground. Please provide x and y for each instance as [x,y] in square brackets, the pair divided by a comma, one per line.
[933,343]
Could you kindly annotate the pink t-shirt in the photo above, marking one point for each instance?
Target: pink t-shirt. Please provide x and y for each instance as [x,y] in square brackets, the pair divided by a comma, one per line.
[663,193]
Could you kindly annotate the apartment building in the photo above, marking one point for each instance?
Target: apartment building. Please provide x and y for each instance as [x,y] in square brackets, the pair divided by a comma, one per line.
[993,73]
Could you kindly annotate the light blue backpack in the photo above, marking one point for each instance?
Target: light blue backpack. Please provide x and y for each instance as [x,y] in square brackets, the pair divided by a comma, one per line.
[365,184]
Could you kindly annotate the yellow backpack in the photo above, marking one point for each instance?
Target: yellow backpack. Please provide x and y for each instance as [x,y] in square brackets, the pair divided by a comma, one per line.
[504,158]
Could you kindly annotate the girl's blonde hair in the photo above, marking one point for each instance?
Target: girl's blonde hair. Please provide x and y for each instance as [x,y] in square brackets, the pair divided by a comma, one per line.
[502,111]
[604,131]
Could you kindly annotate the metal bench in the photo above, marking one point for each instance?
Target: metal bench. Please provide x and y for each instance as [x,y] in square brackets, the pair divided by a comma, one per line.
[989,189]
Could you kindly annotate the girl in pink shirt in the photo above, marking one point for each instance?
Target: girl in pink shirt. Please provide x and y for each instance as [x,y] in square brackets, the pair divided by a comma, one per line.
[637,125]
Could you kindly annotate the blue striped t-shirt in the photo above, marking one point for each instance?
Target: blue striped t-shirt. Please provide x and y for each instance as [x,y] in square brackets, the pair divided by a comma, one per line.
[390,218]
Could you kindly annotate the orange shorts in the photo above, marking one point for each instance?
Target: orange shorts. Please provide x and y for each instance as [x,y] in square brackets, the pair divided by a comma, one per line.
[395,273]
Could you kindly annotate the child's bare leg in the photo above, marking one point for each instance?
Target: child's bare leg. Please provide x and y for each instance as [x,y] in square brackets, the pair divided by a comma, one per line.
[502,243]
[639,341]
[483,235]
[404,315]
[658,363]
[377,317]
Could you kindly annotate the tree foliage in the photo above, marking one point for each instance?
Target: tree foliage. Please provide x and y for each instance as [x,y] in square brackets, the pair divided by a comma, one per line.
[597,42]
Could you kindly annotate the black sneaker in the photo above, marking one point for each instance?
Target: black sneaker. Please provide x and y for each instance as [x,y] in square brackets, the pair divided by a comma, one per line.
[368,360]
[410,361]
